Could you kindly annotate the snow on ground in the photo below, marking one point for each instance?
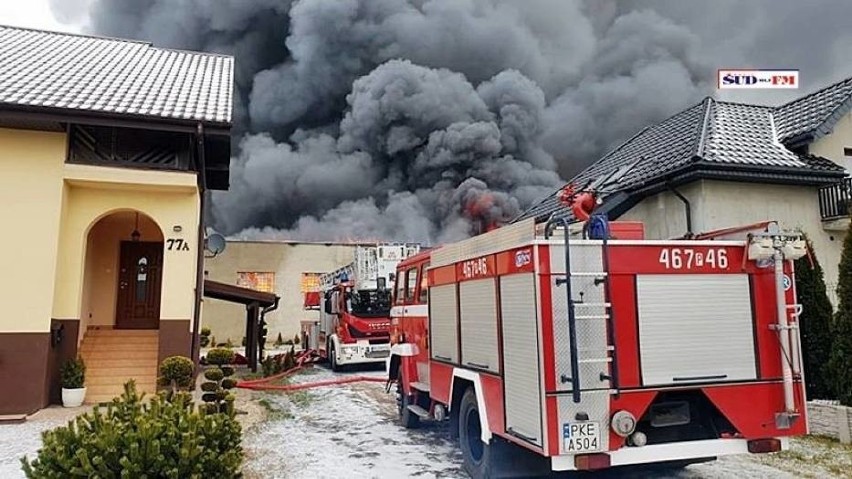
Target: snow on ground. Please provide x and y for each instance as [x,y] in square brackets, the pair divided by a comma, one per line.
[19,440]
[351,431]
[346,431]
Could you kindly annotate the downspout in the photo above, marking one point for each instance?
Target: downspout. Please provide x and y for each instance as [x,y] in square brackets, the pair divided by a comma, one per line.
[199,274]
[687,209]
[263,312]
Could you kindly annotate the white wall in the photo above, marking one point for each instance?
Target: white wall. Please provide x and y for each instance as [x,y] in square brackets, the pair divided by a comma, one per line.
[723,204]
[831,146]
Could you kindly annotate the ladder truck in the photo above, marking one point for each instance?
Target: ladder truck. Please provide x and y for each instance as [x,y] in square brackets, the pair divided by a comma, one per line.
[354,314]
[551,346]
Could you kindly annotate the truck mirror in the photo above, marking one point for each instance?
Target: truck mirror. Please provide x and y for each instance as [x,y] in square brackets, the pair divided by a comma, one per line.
[333,309]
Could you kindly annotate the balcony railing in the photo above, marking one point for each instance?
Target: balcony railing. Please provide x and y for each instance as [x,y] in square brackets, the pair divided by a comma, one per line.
[835,200]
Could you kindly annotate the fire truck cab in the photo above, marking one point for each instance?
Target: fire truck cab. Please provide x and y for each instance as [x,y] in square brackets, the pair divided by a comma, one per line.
[354,309]
[590,348]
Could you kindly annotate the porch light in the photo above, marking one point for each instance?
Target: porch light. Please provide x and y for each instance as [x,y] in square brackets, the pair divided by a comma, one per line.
[135,235]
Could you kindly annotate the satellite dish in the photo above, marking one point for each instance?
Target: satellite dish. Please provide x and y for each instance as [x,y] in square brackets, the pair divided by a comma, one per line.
[215,243]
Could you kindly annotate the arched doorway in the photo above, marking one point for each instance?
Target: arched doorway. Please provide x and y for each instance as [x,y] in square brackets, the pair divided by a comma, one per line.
[124,271]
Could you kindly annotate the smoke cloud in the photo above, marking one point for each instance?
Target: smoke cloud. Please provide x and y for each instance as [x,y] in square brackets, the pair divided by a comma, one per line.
[431,120]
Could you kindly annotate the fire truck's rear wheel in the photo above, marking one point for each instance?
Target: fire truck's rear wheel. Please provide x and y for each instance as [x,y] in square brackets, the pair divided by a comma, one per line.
[476,454]
[408,419]
[332,357]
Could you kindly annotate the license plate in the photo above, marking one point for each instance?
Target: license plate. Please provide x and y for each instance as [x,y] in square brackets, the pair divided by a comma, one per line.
[581,436]
[378,353]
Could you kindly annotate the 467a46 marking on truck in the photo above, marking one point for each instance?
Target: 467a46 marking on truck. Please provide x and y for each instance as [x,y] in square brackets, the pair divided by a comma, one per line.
[689,258]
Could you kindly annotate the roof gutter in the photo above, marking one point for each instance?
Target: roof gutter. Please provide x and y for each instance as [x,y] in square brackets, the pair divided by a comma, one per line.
[199,273]
[126,120]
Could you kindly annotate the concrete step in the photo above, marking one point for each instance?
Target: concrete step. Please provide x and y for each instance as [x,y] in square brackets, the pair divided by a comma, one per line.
[128,372]
[117,389]
[122,332]
[121,339]
[149,361]
[119,347]
[107,355]
[107,395]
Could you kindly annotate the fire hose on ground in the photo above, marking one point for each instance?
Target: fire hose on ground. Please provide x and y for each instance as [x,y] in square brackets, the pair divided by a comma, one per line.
[304,360]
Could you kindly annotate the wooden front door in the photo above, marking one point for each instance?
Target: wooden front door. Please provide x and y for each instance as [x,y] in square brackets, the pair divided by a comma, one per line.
[140,276]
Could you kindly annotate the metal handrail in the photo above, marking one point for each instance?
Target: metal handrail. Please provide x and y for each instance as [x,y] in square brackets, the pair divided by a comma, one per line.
[572,320]
[835,200]
[613,378]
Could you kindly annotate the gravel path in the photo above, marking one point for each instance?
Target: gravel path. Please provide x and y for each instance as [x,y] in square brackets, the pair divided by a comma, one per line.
[18,440]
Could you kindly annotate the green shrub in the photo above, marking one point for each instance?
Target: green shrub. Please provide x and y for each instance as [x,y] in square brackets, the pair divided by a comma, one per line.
[244,341]
[217,388]
[73,374]
[839,368]
[176,372]
[132,438]
[214,374]
[814,324]
[279,340]
[220,356]
[229,343]
[204,337]
[297,339]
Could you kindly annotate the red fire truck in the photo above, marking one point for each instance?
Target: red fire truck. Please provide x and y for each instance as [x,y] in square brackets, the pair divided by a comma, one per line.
[354,309]
[533,340]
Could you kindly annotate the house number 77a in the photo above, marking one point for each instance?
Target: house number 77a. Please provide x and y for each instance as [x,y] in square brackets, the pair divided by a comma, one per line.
[177,244]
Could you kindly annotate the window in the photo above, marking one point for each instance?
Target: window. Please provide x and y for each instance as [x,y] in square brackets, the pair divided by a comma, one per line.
[310,289]
[257,281]
[424,285]
[141,279]
[400,289]
[411,277]
[310,282]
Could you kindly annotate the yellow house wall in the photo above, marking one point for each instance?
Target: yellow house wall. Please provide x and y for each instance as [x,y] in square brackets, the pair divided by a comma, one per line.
[831,146]
[92,199]
[288,261]
[722,204]
[31,165]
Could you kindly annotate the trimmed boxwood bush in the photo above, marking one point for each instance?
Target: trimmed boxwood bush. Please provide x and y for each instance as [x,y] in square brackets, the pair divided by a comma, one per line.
[214,374]
[132,438]
[176,372]
[220,356]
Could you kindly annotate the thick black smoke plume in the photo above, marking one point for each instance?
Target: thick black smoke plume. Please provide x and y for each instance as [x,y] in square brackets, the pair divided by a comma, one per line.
[432,120]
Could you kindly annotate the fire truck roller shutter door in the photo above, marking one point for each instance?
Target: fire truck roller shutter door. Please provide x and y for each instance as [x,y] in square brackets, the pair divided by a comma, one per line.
[444,323]
[695,328]
[479,324]
[521,357]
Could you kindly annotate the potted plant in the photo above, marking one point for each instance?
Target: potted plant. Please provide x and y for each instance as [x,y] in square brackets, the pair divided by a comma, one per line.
[73,382]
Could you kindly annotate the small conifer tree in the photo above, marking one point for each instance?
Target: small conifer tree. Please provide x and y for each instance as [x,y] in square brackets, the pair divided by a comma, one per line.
[815,324]
[840,362]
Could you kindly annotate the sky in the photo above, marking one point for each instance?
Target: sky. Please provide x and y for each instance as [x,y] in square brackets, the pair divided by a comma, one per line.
[33,14]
